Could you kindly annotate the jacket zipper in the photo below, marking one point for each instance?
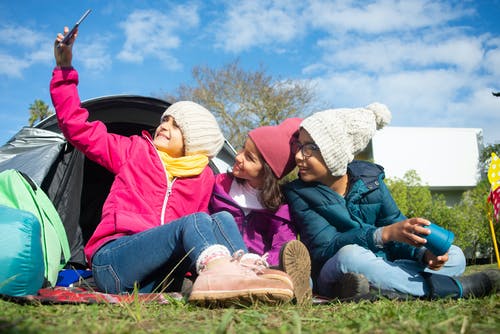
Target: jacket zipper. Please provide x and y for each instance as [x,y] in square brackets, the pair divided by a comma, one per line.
[229,200]
[246,218]
[169,185]
[165,199]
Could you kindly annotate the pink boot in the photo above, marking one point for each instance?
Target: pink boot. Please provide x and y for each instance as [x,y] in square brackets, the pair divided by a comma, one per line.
[260,266]
[224,281]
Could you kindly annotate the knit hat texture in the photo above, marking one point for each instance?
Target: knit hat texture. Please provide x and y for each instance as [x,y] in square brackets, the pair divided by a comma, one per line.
[200,130]
[274,144]
[342,133]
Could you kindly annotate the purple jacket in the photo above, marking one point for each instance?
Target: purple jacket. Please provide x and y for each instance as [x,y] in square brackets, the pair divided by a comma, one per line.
[263,231]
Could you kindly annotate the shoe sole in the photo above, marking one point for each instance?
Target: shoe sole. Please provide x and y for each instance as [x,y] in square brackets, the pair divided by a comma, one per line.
[223,298]
[296,262]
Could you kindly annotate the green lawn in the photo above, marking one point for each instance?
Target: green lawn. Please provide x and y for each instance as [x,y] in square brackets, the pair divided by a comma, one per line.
[384,316]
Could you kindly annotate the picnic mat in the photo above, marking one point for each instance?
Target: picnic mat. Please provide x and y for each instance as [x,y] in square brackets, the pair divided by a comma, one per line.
[77,287]
[80,295]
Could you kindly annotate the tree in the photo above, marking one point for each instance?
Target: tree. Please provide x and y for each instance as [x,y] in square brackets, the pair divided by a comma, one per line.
[416,200]
[243,100]
[467,219]
[39,110]
[413,199]
[472,223]
[485,158]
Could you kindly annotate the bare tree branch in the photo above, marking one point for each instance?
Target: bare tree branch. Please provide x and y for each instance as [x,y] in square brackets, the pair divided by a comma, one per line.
[243,100]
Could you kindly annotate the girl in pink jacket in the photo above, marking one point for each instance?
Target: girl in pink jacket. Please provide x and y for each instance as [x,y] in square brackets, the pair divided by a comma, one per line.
[155,223]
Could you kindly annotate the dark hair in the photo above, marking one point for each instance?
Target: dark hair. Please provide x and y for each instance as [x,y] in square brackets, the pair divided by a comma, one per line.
[271,196]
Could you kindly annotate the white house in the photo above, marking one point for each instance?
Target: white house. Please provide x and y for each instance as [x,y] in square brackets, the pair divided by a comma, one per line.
[446,159]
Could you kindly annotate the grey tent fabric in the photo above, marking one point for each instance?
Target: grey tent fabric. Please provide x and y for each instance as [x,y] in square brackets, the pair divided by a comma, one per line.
[32,151]
[63,184]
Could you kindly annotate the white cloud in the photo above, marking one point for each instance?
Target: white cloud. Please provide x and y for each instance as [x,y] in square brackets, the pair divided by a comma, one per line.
[17,35]
[491,62]
[480,109]
[259,23]
[42,55]
[152,33]
[390,53]
[22,48]
[410,55]
[382,16]
[422,97]
[418,98]
[94,56]
[12,66]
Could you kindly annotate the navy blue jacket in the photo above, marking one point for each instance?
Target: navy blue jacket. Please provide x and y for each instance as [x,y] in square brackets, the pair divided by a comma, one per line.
[326,221]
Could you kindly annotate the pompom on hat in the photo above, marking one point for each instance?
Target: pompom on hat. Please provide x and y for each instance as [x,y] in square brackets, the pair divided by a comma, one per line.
[200,130]
[342,133]
[274,144]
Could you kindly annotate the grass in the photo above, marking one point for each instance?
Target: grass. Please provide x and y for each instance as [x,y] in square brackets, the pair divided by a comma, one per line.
[384,316]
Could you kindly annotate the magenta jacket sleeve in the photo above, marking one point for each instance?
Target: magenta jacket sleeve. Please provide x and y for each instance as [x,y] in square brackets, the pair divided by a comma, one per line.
[92,138]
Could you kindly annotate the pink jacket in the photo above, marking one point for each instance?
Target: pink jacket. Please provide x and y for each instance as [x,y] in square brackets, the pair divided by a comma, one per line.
[140,197]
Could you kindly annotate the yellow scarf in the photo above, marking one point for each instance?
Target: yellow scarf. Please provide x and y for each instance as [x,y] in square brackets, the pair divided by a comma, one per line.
[185,166]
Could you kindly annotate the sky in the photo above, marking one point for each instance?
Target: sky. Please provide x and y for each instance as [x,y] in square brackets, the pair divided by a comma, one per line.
[433,63]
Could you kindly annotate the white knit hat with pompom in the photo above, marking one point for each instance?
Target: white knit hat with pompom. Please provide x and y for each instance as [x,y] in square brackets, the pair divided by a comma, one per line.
[342,133]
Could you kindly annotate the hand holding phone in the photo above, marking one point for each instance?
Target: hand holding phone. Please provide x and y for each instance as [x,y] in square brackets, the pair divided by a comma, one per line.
[71,33]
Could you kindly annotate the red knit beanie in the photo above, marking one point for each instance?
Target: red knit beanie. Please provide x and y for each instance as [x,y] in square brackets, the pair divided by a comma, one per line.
[274,144]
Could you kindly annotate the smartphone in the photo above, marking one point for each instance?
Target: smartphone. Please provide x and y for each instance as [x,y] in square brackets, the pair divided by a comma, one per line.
[70,34]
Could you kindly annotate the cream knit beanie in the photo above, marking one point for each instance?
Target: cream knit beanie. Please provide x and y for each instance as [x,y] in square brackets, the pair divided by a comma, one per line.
[201,133]
[342,133]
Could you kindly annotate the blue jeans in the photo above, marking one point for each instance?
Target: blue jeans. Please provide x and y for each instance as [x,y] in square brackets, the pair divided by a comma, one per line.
[401,275]
[146,258]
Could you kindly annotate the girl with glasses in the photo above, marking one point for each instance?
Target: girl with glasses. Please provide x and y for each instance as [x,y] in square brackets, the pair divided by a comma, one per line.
[361,244]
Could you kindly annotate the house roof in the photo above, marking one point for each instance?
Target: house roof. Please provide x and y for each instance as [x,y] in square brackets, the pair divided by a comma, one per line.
[444,158]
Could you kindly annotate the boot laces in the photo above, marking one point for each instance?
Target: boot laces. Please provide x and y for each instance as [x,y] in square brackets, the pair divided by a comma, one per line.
[252,262]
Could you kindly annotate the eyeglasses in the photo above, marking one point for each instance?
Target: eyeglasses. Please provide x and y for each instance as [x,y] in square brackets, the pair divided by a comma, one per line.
[306,149]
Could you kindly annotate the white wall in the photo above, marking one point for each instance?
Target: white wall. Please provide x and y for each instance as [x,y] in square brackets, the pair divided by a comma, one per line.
[442,157]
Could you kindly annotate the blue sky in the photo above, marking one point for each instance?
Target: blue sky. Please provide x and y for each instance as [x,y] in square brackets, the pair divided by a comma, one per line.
[433,63]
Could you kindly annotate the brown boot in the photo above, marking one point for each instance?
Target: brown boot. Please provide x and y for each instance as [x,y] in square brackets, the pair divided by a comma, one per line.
[225,282]
[296,262]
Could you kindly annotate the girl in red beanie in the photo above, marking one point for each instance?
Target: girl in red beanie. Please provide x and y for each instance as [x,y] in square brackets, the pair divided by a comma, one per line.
[252,194]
